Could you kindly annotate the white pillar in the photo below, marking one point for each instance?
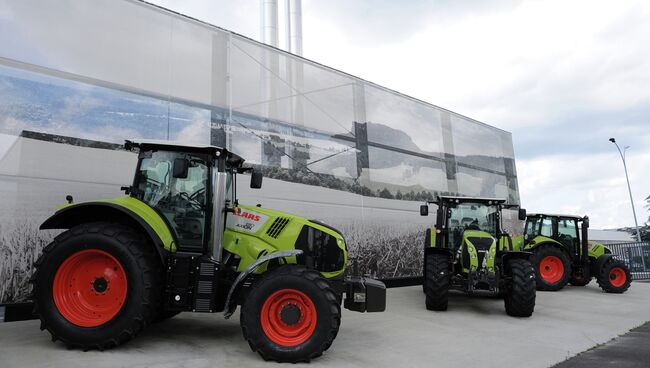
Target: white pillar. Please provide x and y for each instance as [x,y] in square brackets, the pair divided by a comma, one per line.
[294,26]
[269,22]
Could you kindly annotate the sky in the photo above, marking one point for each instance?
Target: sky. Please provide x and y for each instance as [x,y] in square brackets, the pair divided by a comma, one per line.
[562,76]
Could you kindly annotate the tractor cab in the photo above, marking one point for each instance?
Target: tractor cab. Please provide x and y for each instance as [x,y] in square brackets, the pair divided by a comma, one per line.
[478,218]
[569,231]
[191,187]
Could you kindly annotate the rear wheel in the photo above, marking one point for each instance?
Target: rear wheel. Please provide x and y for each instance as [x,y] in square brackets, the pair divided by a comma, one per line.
[553,268]
[614,277]
[580,278]
[520,296]
[291,314]
[96,286]
[436,281]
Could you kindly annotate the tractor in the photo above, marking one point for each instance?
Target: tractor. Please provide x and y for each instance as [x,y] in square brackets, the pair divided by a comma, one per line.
[467,250]
[180,241]
[562,253]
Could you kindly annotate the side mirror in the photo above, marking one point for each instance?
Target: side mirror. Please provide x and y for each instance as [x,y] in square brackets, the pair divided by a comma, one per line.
[585,221]
[180,169]
[424,210]
[256,179]
[522,214]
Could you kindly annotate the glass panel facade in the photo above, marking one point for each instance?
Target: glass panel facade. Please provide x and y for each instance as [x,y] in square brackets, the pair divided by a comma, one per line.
[79,77]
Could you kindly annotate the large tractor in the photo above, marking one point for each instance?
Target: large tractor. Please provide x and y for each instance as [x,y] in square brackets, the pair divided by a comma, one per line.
[468,250]
[181,242]
[562,253]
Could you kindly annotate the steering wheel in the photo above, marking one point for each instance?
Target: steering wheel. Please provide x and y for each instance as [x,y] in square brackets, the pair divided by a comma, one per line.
[196,194]
[193,202]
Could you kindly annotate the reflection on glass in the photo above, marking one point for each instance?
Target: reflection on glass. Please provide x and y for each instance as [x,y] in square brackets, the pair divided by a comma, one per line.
[400,176]
[472,216]
[181,200]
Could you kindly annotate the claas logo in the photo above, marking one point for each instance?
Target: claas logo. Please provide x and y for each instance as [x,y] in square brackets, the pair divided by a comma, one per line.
[247,215]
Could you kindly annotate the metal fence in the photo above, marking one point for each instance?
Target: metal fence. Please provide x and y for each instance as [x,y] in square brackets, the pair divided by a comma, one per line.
[636,256]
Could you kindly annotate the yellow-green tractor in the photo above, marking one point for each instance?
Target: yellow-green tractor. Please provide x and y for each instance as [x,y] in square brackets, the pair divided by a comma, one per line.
[562,253]
[181,242]
[468,250]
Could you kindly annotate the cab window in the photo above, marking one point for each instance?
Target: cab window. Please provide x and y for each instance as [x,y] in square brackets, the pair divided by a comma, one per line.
[547,227]
[182,201]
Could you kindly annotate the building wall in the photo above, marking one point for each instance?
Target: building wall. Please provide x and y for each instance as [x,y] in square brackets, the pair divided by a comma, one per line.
[79,77]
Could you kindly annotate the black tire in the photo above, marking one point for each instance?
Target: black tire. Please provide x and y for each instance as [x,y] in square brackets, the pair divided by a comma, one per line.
[540,254]
[140,265]
[521,292]
[580,278]
[320,293]
[436,281]
[427,244]
[609,278]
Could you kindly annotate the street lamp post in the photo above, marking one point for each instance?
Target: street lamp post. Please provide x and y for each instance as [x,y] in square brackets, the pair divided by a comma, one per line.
[636,224]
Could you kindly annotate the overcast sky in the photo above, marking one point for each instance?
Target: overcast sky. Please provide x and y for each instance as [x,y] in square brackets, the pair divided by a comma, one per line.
[562,76]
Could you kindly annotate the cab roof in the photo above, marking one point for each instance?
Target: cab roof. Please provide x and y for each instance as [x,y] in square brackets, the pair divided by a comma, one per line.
[471,199]
[154,144]
[555,215]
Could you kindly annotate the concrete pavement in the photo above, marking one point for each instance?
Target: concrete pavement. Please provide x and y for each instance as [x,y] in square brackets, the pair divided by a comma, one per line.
[473,332]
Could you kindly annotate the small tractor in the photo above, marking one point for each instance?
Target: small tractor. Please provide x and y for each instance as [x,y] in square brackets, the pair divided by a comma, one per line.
[181,242]
[562,253]
[467,250]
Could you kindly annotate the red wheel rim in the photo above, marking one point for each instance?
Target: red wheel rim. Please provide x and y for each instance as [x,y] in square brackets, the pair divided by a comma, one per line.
[617,277]
[551,269]
[288,317]
[89,288]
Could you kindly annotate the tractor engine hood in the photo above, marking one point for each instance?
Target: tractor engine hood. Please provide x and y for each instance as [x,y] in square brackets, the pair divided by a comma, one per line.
[479,249]
[323,247]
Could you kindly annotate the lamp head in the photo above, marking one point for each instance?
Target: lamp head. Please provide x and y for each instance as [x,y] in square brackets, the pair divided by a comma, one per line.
[612,140]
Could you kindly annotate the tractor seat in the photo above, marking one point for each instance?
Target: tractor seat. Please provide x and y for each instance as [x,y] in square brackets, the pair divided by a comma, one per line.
[466,221]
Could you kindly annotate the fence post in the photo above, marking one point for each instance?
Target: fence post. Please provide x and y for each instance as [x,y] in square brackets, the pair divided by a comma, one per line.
[629,257]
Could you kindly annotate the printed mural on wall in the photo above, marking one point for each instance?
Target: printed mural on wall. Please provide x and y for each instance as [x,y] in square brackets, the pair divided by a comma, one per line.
[332,147]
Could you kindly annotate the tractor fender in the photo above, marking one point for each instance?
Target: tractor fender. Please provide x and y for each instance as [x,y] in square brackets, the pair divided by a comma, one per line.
[434,250]
[231,299]
[550,243]
[505,256]
[86,212]
[598,264]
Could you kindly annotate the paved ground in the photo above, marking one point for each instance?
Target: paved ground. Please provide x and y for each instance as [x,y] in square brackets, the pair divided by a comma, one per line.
[474,332]
[627,351]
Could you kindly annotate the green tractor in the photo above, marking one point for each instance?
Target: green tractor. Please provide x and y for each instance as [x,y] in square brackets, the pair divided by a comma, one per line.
[467,250]
[563,254]
[181,242]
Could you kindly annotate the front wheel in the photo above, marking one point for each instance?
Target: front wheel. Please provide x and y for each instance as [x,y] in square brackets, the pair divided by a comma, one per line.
[614,277]
[291,315]
[436,281]
[520,296]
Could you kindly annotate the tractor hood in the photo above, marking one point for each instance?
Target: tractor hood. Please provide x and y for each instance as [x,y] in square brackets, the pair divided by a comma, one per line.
[479,250]
[253,231]
[257,219]
[481,240]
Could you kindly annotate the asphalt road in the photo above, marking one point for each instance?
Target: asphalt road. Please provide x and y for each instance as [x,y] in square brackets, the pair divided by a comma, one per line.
[473,332]
[627,351]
